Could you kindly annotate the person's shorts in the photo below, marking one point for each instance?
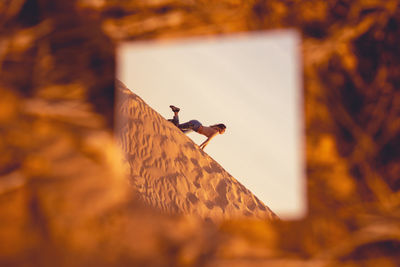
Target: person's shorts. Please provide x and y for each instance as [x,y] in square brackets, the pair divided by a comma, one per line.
[192,125]
[195,125]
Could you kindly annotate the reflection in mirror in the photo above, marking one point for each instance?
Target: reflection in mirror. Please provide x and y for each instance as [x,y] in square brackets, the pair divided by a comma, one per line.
[252,84]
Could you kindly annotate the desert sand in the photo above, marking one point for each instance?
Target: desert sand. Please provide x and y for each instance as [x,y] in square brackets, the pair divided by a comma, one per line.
[171,173]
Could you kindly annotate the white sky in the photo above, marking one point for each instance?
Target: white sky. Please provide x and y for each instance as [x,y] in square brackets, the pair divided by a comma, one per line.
[252,84]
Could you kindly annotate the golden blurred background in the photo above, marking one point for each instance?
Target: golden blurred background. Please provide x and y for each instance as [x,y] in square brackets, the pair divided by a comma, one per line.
[64,197]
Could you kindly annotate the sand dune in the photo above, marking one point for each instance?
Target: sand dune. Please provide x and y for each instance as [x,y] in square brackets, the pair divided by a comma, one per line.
[171,172]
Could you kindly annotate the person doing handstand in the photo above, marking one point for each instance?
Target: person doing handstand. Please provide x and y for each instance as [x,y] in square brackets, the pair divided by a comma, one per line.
[194,125]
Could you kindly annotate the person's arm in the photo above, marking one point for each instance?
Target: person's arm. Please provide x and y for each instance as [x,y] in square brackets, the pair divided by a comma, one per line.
[205,143]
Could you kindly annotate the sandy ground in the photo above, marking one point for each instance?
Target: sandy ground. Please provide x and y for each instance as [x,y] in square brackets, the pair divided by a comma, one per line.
[171,172]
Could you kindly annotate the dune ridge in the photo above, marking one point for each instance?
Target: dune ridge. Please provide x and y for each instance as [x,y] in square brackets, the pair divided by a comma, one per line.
[171,173]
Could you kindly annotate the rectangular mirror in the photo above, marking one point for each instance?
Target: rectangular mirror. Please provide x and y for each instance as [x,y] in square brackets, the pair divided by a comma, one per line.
[249,82]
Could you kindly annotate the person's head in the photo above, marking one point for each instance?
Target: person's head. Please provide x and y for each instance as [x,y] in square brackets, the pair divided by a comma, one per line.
[220,127]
